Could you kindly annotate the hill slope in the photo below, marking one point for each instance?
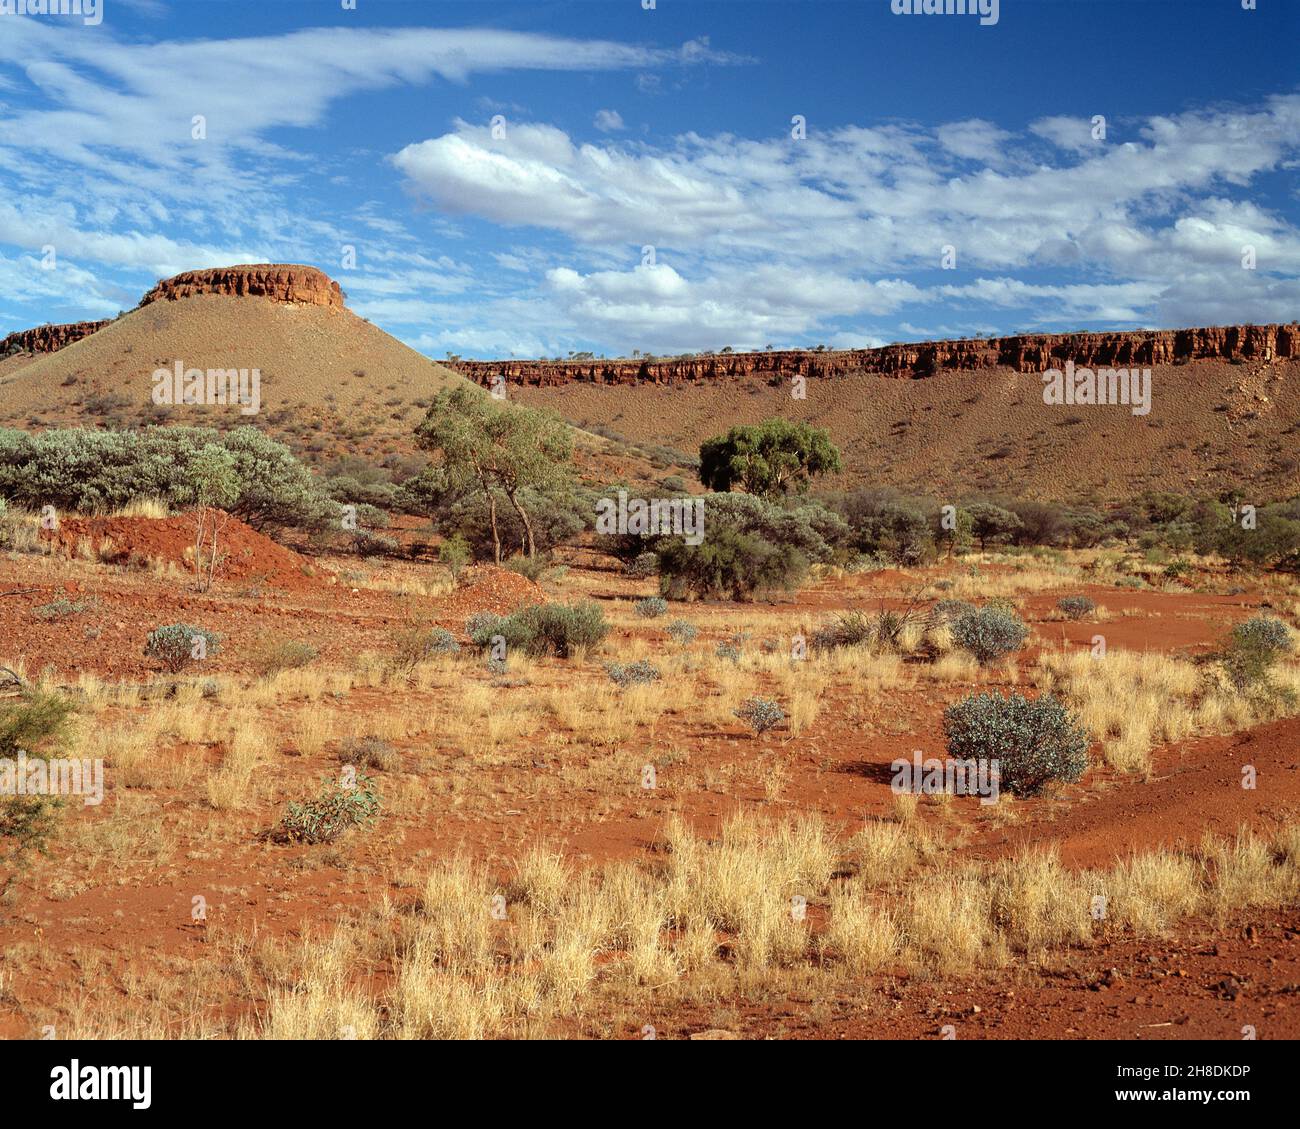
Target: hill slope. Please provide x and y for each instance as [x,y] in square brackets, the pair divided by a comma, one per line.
[331,383]
[961,421]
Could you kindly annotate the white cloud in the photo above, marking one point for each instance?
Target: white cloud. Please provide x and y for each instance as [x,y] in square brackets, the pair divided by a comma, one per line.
[774,238]
[609,121]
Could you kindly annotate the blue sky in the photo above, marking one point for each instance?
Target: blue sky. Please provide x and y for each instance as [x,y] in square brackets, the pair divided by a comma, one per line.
[642,188]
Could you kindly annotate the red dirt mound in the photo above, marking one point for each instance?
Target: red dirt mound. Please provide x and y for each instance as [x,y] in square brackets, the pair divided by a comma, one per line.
[491,589]
[247,554]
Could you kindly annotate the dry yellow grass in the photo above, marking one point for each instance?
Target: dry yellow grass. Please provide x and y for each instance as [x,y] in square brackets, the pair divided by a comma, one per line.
[473,959]
[233,784]
[1132,701]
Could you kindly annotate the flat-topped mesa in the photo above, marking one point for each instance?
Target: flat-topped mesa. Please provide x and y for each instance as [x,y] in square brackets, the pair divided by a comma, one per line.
[1036,354]
[48,338]
[278,282]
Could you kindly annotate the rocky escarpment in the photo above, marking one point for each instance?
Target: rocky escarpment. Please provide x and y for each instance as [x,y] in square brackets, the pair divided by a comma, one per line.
[276,282]
[300,284]
[1035,353]
[48,338]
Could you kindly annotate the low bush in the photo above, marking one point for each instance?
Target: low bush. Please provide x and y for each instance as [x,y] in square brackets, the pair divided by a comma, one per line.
[848,630]
[632,674]
[1253,647]
[729,565]
[644,566]
[1035,741]
[38,724]
[323,819]
[1264,632]
[368,752]
[947,611]
[988,633]
[761,714]
[652,607]
[176,645]
[531,568]
[682,632]
[1076,607]
[542,629]
[417,644]
[62,608]
[275,657]
[455,553]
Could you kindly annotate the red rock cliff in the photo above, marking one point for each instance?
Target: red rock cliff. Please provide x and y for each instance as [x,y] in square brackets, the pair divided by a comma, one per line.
[1024,354]
[280,283]
[48,338]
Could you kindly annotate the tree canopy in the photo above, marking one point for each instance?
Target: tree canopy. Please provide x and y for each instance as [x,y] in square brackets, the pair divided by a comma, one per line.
[503,449]
[768,459]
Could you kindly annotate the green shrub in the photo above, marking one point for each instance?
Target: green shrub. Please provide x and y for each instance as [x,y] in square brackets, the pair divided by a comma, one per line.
[529,567]
[989,633]
[728,565]
[946,611]
[94,471]
[644,566]
[682,632]
[1264,632]
[174,645]
[455,554]
[368,543]
[26,826]
[419,644]
[333,811]
[35,723]
[652,607]
[1251,651]
[1076,607]
[761,714]
[62,608]
[542,629]
[38,724]
[851,629]
[632,674]
[1034,741]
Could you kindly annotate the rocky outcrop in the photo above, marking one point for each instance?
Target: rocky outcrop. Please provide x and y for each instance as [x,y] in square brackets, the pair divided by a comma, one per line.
[48,338]
[276,282]
[304,285]
[1035,353]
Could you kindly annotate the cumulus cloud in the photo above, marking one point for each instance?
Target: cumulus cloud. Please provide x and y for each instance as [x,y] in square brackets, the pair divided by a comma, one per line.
[609,121]
[769,237]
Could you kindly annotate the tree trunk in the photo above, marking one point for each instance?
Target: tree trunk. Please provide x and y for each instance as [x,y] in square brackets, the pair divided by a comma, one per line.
[528,525]
[212,560]
[481,474]
[496,537]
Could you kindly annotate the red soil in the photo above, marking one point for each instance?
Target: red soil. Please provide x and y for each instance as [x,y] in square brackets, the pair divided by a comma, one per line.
[490,589]
[248,555]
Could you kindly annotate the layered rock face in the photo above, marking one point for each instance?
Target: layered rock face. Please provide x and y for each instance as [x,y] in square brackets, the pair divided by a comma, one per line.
[305,285]
[1023,354]
[48,338]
